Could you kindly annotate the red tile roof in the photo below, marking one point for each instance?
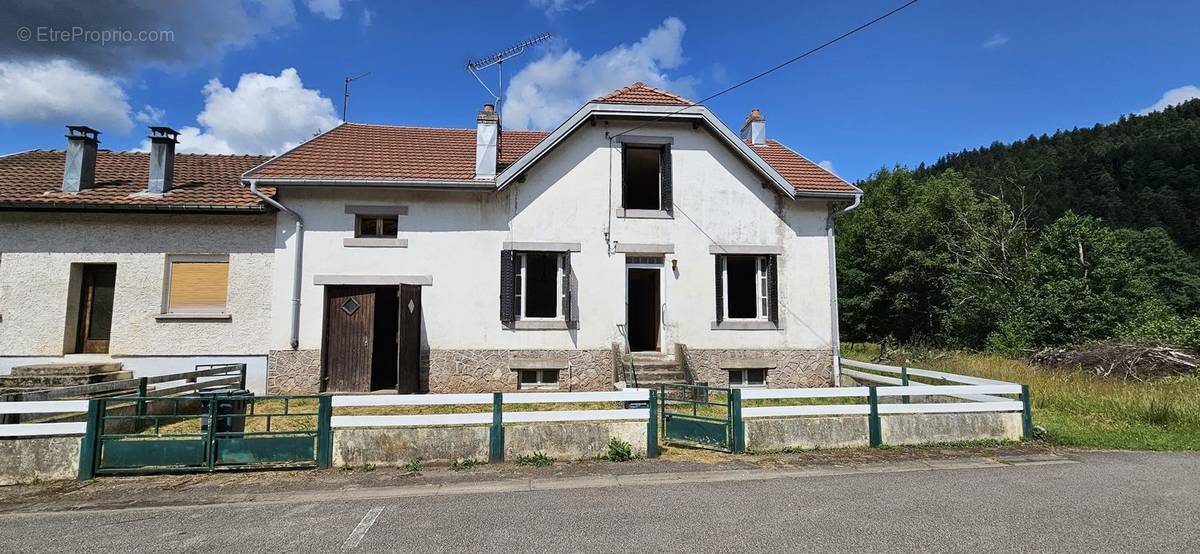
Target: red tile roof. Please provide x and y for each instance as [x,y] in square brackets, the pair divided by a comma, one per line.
[33,180]
[639,93]
[798,170]
[387,152]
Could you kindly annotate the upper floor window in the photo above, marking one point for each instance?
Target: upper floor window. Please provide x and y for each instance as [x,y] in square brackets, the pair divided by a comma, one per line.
[375,226]
[646,176]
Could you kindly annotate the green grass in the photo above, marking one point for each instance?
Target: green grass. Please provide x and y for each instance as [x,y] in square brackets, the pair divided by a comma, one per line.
[1082,410]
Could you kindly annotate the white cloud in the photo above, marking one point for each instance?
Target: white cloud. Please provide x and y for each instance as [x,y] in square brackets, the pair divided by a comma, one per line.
[263,114]
[1173,97]
[149,114]
[61,92]
[368,15]
[547,91]
[997,40]
[827,166]
[329,9]
[552,7]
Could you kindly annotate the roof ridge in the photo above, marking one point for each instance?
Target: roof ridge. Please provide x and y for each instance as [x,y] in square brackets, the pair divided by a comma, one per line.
[640,86]
[428,128]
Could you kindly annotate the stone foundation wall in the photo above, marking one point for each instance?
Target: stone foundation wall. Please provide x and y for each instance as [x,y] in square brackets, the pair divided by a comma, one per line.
[293,371]
[489,371]
[792,368]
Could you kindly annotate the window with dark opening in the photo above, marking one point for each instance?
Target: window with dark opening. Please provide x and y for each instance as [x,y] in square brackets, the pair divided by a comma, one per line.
[539,379]
[375,226]
[745,287]
[641,187]
[538,285]
[754,377]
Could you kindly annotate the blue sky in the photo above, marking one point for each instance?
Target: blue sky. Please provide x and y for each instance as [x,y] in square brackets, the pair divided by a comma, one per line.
[938,77]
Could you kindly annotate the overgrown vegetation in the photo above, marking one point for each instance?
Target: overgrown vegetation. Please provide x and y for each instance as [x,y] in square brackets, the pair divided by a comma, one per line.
[618,451]
[1077,408]
[1018,246]
[463,464]
[411,466]
[537,459]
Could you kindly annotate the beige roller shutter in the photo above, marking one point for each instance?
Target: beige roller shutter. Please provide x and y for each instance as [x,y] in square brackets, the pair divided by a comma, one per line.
[198,287]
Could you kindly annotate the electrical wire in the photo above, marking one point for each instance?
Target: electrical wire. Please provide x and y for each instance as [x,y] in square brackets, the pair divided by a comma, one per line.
[782,65]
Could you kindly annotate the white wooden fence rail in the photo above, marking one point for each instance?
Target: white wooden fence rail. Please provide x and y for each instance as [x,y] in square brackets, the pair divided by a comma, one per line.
[484,418]
[44,407]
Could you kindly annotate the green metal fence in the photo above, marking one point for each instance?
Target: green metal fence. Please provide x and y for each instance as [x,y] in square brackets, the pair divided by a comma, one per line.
[135,435]
[698,415]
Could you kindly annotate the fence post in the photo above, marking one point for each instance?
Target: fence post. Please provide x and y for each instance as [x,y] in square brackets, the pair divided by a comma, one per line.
[735,420]
[324,430]
[496,436]
[873,426]
[1026,414]
[242,376]
[141,392]
[652,426]
[91,442]
[904,381]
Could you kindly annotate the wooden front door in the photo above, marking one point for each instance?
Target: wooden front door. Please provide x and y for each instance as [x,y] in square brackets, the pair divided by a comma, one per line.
[95,308]
[349,337]
[408,377]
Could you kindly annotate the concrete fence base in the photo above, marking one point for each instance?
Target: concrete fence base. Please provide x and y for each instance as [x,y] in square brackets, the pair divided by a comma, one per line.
[31,459]
[810,432]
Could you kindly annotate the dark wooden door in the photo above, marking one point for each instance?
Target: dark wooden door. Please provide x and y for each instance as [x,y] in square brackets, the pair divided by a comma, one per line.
[349,337]
[96,307]
[408,378]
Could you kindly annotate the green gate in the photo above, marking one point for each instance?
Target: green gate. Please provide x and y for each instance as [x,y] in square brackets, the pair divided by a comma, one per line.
[703,416]
[193,434]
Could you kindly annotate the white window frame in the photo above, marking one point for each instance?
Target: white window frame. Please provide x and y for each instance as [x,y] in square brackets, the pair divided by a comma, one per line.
[761,291]
[522,292]
[744,373]
[541,379]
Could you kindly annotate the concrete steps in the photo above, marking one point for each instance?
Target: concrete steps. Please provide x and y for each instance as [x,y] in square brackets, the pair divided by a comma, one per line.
[52,376]
[655,368]
[65,369]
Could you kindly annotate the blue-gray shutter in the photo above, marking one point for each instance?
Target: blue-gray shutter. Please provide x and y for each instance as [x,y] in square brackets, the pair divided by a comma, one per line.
[773,288]
[507,313]
[720,290]
[664,166]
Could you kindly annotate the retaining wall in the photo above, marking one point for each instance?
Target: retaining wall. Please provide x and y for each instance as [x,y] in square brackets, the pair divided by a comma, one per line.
[26,460]
[809,432]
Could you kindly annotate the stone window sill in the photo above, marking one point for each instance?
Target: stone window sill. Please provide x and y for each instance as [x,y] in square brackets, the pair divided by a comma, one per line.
[749,325]
[194,317]
[548,325]
[643,214]
[374,243]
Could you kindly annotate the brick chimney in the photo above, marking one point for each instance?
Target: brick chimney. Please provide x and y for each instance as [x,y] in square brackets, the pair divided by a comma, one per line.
[755,128]
[487,139]
[162,159]
[79,172]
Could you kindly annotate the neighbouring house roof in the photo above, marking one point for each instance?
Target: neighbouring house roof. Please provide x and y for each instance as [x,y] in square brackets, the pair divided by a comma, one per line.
[203,182]
[389,153]
[357,151]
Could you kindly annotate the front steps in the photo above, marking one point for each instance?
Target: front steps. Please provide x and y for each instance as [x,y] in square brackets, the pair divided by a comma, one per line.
[31,378]
[653,369]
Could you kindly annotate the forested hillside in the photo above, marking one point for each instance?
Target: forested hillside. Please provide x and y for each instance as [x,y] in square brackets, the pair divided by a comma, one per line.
[1081,236]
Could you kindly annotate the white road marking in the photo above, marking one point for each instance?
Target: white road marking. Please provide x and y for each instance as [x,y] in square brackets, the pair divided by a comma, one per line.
[360,530]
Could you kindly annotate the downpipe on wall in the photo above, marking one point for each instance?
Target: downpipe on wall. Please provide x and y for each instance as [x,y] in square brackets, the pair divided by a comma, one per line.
[835,332]
[297,263]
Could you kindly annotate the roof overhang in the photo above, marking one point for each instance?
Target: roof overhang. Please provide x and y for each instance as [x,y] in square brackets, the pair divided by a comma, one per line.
[412,184]
[696,114]
[131,208]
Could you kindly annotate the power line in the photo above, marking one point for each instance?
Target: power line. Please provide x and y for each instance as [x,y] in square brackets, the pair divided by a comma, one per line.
[779,66]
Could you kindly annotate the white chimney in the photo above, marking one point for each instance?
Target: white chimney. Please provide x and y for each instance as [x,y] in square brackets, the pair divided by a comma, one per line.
[79,172]
[755,128]
[487,138]
[162,159]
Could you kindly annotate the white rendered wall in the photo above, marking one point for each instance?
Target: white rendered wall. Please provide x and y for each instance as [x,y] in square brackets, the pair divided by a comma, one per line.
[456,238]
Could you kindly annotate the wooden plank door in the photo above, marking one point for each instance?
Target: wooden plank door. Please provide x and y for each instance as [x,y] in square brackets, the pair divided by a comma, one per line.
[349,338]
[96,308]
[408,378]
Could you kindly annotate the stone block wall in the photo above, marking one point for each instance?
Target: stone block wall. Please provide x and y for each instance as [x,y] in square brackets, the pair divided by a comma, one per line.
[791,368]
[293,371]
[489,370]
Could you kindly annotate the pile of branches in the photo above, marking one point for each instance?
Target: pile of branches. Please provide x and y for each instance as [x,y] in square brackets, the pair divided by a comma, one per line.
[1122,361]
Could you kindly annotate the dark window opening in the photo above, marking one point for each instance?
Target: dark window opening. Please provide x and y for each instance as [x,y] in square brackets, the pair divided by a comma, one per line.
[641,186]
[756,377]
[539,378]
[742,282]
[541,280]
[375,226]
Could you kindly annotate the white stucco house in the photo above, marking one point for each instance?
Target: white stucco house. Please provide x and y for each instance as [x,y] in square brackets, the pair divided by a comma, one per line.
[643,240]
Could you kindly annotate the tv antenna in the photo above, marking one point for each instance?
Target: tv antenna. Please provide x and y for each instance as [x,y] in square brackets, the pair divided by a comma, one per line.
[498,60]
[346,92]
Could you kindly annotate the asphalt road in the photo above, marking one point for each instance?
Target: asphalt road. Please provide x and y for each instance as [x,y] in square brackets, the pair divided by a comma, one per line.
[1109,502]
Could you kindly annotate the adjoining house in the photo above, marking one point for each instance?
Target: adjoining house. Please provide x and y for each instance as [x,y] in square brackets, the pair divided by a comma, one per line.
[159,261]
[642,240]
[451,260]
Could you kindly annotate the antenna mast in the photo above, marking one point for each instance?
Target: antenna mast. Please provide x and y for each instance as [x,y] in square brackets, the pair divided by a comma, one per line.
[498,60]
[346,92]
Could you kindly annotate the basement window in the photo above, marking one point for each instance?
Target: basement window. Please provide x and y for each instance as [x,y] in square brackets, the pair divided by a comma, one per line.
[539,285]
[538,379]
[641,186]
[375,226]
[756,377]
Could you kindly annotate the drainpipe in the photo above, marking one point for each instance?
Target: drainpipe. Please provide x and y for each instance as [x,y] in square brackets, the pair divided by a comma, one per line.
[298,261]
[835,332]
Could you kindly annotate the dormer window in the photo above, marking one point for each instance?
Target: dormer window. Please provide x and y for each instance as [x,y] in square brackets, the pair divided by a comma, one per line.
[646,177]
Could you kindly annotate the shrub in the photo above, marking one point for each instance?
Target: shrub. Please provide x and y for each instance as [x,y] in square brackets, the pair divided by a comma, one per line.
[412,466]
[538,459]
[618,450]
[462,464]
